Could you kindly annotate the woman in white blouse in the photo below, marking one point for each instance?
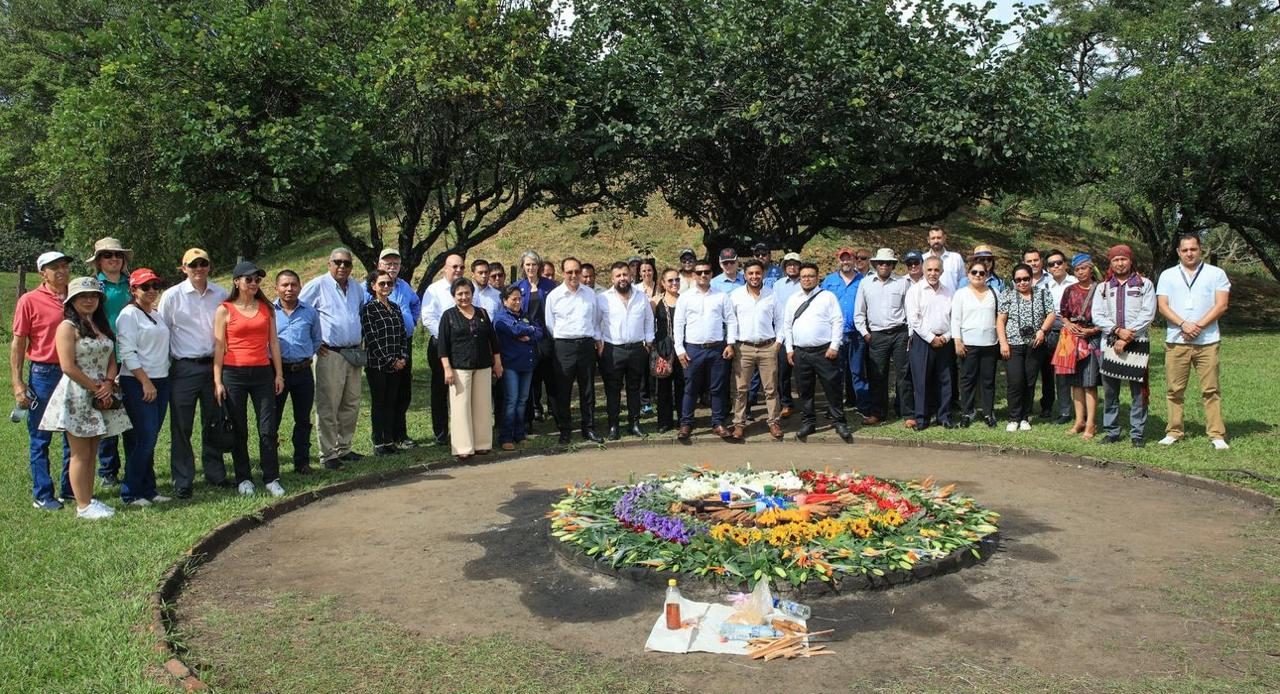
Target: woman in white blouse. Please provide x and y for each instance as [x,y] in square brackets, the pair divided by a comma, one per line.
[142,344]
[973,327]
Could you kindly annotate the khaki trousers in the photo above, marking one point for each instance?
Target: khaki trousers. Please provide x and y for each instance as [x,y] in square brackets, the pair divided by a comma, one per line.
[747,360]
[471,411]
[1178,362]
[337,404]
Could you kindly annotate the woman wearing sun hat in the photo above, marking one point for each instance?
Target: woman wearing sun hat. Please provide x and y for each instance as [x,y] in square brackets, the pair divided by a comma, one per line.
[142,345]
[85,403]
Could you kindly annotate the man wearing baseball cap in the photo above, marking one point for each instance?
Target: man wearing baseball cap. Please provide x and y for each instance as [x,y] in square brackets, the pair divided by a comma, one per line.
[730,279]
[843,283]
[188,309]
[687,260]
[111,261]
[772,273]
[410,308]
[914,260]
[782,291]
[35,321]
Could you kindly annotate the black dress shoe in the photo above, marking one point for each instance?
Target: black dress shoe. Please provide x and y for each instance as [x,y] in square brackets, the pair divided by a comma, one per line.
[966,420]
[592,436]
[352,456]
[184,493]
[843,431]
[614,434]
[948,424]
[304,469]
[1139,443]
[803,432]
[991,421]
[921,425]
[664,430]
[225,484]
[1109,439]
[333,464]
[1065,419]
[637,431]
[565,438]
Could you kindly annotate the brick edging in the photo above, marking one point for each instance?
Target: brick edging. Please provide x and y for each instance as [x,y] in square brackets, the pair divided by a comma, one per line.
[215,541]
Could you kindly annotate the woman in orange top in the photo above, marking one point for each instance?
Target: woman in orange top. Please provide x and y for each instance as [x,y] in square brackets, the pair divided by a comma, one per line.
[246,354]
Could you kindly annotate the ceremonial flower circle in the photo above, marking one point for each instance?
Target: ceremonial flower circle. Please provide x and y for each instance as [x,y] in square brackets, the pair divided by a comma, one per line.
[799,526]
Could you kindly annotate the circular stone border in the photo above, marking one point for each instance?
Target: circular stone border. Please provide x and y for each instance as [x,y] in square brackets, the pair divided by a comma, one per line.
[172,581]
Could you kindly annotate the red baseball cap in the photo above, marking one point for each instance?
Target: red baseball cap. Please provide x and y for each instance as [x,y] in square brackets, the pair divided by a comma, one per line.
[844,251]
[141,276]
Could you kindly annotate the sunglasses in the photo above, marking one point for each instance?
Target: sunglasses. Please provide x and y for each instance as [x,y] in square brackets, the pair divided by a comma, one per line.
[384,284]
[251,279]
[341,263]
[977,273]
[198,264]
[912,263]
[110,255]
[864,258]
[151,287]
[1021,279]
[1056,263]
[701,272]
[728,262]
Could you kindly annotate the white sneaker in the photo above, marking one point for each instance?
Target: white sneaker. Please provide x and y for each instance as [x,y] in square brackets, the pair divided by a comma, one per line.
[1168,441]
[159,499]
[1024,425]
[246,488]
[1011,427]
[275,488]
[140,503]
[1220,444]
[98,512]
[99,504]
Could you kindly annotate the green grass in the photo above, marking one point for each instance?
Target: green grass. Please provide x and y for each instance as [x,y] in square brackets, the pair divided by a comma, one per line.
[73,595]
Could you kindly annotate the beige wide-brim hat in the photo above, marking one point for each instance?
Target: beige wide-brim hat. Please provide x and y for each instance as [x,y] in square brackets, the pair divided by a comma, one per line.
[885,255]
[109,243]
[82,285]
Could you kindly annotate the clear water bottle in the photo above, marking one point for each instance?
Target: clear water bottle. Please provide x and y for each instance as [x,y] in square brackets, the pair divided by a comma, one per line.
[792,608]
[673,605]
[746,632]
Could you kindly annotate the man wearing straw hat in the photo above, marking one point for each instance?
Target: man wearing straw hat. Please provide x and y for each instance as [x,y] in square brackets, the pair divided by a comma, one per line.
[880,317]
[111,260]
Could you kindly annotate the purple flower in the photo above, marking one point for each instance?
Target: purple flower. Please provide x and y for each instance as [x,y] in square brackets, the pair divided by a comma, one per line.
[630,511]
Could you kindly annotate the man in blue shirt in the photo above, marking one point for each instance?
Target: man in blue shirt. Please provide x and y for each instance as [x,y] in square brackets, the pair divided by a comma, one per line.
[843,283]
[410,305]
[730,279]
[298,326]
[772,273]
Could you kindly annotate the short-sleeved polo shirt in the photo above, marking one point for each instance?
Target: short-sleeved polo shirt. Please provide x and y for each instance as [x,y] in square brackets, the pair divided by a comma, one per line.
[36,317]
[1192,296]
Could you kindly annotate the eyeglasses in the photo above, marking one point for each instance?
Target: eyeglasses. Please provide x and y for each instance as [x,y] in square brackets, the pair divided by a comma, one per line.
[198,264]
[701,272]
[341,263]
[672,280]
[977,273]
[151,287]
[1021,279]
[111,255]
[1056,263]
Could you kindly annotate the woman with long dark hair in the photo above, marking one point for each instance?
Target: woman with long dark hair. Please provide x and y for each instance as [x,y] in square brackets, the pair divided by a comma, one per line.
[387,350]
[246,365]
[142,343]
[85,403]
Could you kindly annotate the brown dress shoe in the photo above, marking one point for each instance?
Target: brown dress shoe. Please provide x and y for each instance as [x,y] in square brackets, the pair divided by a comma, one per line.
[720,431]
[786,412]
[775,430]
[738,431]
[910,424]
[871,421]
[508,446]
[684,433]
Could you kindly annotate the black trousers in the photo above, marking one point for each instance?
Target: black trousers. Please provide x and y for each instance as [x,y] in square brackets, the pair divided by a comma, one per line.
[439,393]
[886,346]
[544,379]
[575,362]
[669,394]
[300,386]
[623,364]
[812,366]
[978,377]
[191,383]
[1022,369]
[784,376]
[1048,379]
[385,394]
[400,424]
[931,369]
[256,383]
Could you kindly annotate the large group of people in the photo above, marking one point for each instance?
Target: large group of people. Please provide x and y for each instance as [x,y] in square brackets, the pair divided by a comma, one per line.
[112,354]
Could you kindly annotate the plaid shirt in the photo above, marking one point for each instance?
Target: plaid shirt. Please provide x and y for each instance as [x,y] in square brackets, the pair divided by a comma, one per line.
[384,335]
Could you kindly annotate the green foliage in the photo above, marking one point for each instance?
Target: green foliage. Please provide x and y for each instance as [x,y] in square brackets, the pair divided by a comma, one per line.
[770,120]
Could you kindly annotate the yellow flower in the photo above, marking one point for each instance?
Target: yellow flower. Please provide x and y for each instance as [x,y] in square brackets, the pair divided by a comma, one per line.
[721,531]
[860,527]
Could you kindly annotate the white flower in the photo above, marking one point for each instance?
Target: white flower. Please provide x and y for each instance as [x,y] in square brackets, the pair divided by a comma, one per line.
[712,482]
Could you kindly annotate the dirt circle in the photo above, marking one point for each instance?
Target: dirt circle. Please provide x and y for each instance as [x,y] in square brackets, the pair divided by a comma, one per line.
[1085,584]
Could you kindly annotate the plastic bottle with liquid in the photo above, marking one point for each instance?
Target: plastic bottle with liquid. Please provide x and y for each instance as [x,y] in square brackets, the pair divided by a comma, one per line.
[746,632]
[792,608]
[673,605]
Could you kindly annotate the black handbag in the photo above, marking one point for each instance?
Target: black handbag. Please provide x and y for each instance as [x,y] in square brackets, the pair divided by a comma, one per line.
[221,432]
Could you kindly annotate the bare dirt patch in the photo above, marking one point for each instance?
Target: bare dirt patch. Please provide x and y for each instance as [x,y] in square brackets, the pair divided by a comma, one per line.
[1085,584]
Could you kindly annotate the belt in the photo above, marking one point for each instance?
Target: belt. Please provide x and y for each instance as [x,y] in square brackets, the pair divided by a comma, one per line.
[816,348]
[894,329]
[339,349]
[626,345]
[197,360]
[297,365]
[575,339]
[762,343]
[705,345]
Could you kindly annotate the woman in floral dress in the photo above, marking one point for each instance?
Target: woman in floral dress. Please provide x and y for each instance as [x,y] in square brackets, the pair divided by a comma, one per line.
[86,352]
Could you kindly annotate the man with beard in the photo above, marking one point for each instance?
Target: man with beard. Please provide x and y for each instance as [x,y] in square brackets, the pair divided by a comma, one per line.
[756,355]
[813,325]
[626,329]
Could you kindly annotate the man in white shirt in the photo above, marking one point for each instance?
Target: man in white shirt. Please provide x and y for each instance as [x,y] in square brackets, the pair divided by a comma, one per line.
[337,298]
[812,328]
[759,319]
[438,299]
[1123,308]
[704,332]
[1054,387]
[928,308]
[589,277]
[187,309]
[880,318]
[572,320]
[1192,296]
[626,331]
[953,270]
[782,291]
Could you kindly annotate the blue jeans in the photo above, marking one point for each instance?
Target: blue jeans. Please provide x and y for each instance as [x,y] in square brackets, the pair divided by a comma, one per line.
[43,378]
[515,396]
[140,447]
[853,352]
[707,370]
[109,456]
[1111,408]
